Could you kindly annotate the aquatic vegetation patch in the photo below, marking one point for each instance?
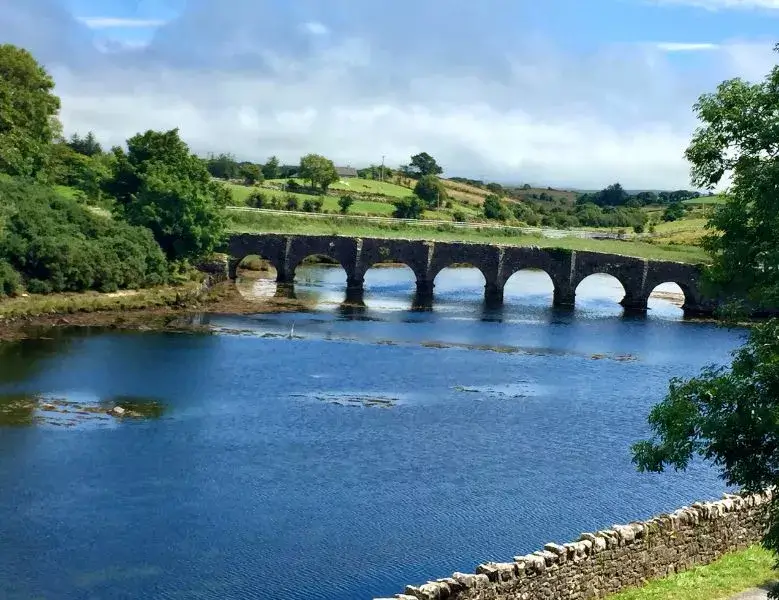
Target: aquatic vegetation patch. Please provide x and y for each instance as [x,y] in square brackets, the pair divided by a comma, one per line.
[39,409]
[508,391]
[616,357]
[353,400]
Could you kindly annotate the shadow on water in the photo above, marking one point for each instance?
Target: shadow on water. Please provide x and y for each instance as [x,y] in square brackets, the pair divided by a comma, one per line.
[22,359]
[17,410]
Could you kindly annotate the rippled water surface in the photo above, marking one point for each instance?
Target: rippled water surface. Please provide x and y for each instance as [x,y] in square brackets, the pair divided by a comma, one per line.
[338,454]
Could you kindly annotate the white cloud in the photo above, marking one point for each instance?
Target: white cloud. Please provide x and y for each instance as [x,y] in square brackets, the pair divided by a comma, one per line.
[117,23]
[324,110]
[521,110]
[315,28]
[685,46]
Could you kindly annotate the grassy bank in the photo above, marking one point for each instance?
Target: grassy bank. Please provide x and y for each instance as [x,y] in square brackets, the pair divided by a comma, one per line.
[720,580]
[33,305]
[265,223]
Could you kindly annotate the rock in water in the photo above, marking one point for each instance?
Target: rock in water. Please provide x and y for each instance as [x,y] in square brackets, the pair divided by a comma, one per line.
[117,411]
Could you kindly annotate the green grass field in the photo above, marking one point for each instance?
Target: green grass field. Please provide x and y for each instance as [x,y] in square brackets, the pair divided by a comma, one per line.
[330,203]
[359,186]
[705,200]
[265,223]
[720,580]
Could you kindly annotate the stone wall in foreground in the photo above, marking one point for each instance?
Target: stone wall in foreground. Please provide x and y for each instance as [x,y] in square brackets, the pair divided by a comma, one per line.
[611,560]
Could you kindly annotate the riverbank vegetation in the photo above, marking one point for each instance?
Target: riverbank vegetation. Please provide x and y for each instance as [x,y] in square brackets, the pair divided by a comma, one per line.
[34,305]
[730,415]
[720,580]
[74,218]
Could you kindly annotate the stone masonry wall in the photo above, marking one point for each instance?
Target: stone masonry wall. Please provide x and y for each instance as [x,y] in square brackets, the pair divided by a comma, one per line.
[611,560]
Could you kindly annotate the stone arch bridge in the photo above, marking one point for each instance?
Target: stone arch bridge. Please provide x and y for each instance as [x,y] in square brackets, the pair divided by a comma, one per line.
[566,268]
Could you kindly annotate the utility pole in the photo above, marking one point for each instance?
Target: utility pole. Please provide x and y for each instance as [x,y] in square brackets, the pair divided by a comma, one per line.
[382,168]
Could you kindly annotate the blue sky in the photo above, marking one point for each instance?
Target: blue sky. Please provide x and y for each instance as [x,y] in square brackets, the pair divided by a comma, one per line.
[576,93]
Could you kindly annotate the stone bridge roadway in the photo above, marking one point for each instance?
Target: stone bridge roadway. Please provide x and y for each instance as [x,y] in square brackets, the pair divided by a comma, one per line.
[566,268]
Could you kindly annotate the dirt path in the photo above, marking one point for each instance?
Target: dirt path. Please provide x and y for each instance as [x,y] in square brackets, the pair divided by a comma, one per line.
[753,594]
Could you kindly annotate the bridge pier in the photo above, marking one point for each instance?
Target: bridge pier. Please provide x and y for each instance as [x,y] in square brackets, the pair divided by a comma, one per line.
[355,291]
[285,290]
[423,297]
[634,302]
[564,297]
[425,288]
[493,294]
[232,268]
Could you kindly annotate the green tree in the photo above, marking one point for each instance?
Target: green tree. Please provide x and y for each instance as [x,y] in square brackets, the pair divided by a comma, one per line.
[317,169]
[160,184]
[87,145]
[223,166]
[740,136]
[271,169]
[673,212]
[496,189]
[344,203]
[430,190]
[28,113]
[251,173]
[87,173]
[423,164]
[410,207]
[495,209]
[730,416]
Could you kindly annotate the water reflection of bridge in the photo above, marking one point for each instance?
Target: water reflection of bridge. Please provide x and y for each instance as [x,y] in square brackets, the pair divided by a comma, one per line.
[566,268]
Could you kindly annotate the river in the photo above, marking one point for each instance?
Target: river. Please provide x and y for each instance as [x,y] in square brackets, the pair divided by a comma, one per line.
[335,454]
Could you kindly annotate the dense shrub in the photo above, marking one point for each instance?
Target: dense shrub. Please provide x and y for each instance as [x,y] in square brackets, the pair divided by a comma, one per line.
[291,202]
[10,280]
[57,245]
[410,207]
[344,203]
[257,199]
[312,205]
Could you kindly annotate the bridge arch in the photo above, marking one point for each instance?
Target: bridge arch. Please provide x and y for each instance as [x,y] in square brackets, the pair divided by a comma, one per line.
[529,283]
[390,284]
[667,293]
[601,286]
[686,277]
[456,264]
[418,272]
[270,247]
[323,260]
